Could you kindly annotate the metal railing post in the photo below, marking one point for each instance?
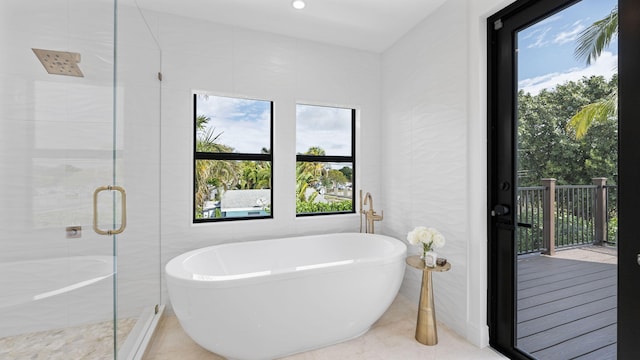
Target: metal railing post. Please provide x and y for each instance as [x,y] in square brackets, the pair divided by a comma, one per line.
[548,223]
[601,210]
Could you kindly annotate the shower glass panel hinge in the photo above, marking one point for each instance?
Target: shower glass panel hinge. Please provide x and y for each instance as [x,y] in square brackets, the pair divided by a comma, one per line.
[156,309]
[497,25]
[160,76]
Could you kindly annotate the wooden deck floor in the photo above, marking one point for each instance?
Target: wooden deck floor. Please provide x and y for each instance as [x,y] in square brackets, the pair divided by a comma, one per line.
[566,308]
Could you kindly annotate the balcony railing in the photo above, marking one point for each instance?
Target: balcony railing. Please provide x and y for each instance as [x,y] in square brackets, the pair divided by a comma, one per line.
[556,216]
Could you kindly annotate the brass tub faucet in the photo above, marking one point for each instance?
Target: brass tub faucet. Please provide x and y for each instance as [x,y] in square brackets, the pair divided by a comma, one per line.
[370,215]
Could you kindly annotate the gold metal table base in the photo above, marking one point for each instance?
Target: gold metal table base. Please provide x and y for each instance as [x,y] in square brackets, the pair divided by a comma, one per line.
[426,331]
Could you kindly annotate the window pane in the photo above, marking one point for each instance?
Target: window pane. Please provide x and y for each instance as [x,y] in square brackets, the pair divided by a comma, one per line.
[324,187]
[232,125]
[227,188]
[323,130]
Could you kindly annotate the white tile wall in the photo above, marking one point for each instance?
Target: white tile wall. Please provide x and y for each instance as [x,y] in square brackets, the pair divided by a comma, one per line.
[424,83]
[434,153]
[226,60]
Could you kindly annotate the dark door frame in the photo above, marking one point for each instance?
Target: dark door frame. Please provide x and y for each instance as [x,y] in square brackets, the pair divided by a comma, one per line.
[629,179]
[501,180]
[501,107]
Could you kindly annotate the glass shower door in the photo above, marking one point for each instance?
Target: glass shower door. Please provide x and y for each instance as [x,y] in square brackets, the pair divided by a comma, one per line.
[79,112]
[137,169]
[56,147]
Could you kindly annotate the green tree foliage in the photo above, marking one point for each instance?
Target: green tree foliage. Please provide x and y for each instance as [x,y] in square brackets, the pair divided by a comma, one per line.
[224,174]
[548,148]
[254,175]
[210,173]
[591,42]
[337,177]
[348,172]
[308,207]
[313,175]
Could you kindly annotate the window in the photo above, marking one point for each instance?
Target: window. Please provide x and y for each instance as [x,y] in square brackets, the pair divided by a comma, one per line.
[232,158]
[325,160]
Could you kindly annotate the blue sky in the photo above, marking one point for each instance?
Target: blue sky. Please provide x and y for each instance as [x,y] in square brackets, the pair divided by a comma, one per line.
[245,126]
[244,123]
[546,49]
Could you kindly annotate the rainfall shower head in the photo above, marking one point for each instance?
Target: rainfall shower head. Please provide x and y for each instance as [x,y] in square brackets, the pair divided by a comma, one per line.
[59,62]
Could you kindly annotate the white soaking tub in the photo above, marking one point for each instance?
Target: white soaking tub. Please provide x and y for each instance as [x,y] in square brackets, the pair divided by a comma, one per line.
[271,298]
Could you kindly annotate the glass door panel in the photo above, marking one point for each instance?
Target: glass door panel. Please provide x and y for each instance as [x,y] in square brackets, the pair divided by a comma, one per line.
[553,180]
[137,169]
[56,140]
[566,222]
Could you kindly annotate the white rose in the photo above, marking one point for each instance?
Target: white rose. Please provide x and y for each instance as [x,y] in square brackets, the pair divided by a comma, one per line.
[438,240]
[416,235]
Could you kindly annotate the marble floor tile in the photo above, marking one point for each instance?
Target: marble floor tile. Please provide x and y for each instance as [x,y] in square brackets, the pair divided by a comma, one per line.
[86,342]
[391,337]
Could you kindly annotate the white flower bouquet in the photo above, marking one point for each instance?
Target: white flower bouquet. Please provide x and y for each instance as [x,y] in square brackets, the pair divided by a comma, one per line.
[430,238]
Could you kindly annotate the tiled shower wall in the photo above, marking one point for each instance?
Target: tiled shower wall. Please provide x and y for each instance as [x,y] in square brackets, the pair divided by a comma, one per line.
[56,146]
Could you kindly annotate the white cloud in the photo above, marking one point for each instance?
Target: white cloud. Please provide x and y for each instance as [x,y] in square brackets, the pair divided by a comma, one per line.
[244,123]
[325,127]
[606,65]
[539,37]
[569,36]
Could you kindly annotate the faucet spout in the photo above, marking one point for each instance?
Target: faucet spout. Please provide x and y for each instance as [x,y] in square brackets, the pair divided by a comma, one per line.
[370,215]
[368,200]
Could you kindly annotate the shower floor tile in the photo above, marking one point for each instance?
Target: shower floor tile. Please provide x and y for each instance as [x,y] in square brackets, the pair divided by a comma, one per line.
[90,342]
[392,337]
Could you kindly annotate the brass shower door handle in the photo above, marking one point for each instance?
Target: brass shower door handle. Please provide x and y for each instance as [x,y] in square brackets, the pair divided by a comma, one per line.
[123,223]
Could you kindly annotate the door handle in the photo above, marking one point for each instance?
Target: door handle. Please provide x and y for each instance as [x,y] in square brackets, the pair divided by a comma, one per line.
[123,222]
[500,210]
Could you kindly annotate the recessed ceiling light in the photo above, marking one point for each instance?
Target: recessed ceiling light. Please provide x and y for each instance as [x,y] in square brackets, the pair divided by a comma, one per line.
[298,4]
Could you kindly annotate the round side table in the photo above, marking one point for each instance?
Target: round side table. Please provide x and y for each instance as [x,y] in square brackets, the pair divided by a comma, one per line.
[426,332]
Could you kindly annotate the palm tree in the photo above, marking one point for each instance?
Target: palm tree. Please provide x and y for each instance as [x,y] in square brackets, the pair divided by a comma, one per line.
[255,175]
[308,174]
[211,173]
[591,42]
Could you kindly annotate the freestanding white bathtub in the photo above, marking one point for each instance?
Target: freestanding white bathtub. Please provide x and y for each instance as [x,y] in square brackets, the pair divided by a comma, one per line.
[271,298]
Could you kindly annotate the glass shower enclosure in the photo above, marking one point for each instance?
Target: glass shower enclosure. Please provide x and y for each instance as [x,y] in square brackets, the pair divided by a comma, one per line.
[79,179]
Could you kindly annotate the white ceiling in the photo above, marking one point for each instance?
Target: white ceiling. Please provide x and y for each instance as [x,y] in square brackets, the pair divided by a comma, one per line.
[372,25]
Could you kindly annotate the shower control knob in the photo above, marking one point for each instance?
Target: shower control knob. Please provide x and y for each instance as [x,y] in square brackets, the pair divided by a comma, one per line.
[73,232]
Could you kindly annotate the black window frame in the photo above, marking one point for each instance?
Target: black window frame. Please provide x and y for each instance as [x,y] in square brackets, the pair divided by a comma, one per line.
[197,155]
[334,159]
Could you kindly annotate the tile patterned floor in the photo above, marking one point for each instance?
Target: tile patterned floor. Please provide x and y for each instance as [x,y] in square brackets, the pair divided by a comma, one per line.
[88,342]
[392,337]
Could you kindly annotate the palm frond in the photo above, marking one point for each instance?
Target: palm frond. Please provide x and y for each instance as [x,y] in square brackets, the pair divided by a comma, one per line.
[201,122]
[598,111]
[597,37]
[208,142]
